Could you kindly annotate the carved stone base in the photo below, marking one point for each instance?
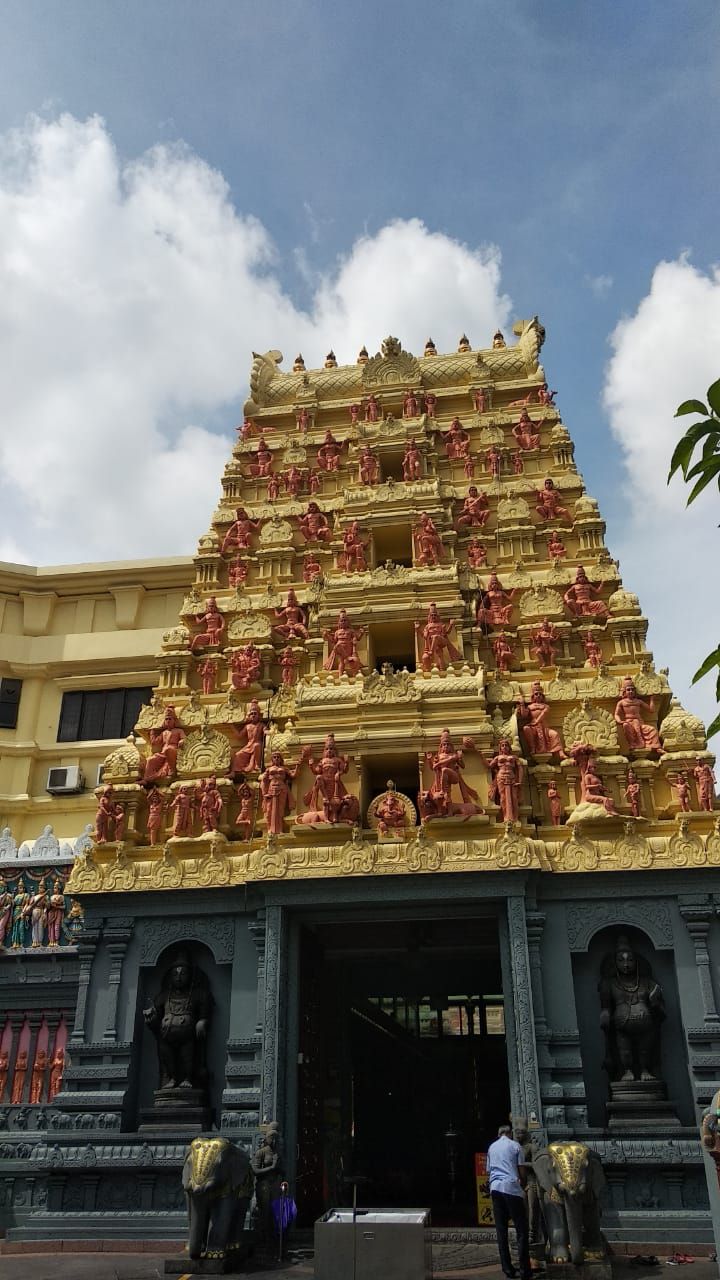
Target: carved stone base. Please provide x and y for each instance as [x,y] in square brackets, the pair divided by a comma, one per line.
[184,1109]
[638,1104]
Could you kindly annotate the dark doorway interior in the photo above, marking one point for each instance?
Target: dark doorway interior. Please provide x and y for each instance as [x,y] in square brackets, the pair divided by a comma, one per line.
[403,1067]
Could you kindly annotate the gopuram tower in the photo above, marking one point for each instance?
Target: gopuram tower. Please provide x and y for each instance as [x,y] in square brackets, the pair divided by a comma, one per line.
[410,777]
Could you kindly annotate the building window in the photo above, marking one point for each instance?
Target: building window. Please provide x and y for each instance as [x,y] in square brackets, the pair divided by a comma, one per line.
[100,713]
[9,703]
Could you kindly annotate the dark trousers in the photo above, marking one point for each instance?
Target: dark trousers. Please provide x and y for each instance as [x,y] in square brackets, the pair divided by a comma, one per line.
[506,1209]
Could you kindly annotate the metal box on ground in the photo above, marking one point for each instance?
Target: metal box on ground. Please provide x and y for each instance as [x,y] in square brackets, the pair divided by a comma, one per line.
[373,1244]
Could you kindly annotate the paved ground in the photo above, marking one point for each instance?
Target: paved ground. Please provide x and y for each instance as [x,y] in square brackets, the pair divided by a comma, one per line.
[124,1266]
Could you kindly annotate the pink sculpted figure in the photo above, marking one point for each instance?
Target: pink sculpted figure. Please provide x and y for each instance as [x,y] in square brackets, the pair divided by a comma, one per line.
[328,799]
[556,546]
[372,409]
[390,812]
[579,598]
[55,913]
[544,641]
[369,466]
[545,396]
[245,667]
[165,742]
[532,716]
[245,820]
[315,480]
[213,625]
[208,674]
[246,429]
[328,455]
[632,793]
[481,399]
[262,466]
[294,480]
[273,488]
[476,554]
[593,652]
[211,803]
[105,815]
[507,776]
[430,403]
[628,714]
[238,572]
[518,464]
[289,664]
[495,605]
[493,459]
[705,780]
[311,568]
[412,461]
[353,558]
[427,541]
[549,506]
[240,531]
[354,414]
[6,906]
[555,803]
[524,434]
[275,792]
[411,408]
[682,791]
[469,467]
[447,764]
[503,651]
[457,440]
[592,789]
[343,642]
[248,757]
[435,641]
[119,819]
[156,807]
[314,525]
[302,420]
[292,624]
[184,806]
[475,511]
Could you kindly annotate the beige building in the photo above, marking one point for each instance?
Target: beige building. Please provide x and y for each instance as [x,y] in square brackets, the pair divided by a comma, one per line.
[78,646]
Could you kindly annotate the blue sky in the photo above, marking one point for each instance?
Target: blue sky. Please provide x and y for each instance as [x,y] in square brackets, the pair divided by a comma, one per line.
[579,139]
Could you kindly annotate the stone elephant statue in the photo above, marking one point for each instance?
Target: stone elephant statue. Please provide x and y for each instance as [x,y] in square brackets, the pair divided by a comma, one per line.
[218,1185]
[571,1180]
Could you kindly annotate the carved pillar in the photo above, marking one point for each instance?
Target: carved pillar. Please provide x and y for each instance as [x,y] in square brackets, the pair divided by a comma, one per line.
[117,937]
[697,917]
[257,933]
[86,953]
[528,1082]
[273,1062]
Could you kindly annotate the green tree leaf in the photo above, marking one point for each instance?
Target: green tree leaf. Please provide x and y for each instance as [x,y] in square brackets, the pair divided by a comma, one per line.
[686,444]
[690,406]
[712,660]
[710,470]
[714,728]
[713,396]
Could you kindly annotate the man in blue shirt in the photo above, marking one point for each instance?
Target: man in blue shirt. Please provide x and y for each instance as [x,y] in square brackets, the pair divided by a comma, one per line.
[506,1175]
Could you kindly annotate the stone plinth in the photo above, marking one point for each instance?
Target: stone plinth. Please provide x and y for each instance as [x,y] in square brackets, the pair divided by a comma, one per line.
[638,1104]
[176,1109]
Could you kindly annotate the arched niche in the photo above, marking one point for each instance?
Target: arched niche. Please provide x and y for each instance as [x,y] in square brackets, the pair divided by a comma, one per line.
[587,966]
[218,978]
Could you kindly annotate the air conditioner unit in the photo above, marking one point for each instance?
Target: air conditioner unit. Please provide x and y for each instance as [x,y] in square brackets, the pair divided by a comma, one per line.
[64,781]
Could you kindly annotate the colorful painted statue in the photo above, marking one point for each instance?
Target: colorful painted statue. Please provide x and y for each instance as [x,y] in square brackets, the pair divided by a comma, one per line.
[457,440]
[6,904]
[628,714]
[476,554]
[555,546]
[475,511]
[593,651]
[245,665]
[427,541]
[105,815]
[37,911]
[328,799]
[369,466]
[4,1072]
[37,1077]
[208,675]
[532,717]
[273,488]
[495,605]
[314,480]
[430,403]
[518,464]
[343,642]
[262,465]
[165,742]
[507,772]
[493,460]
[294,480]
[469,467]
[238,572]
[632,793]
[503,651]
[372,409]
[302,420]
[524,434]
[276,792]
[579,598]
[549,506]
[184,806]
[245,820]
[19,1074]
[213,624]
[555,804]
[435,641]
[544,643]
[592,788]
[411,407]
[293,619]
[55,914]
[447,764]
[156,807]
[248,757]
[681,787]
[211,803]
[240,532]
[544,396]
[289,663]
[354,411]
[312,568]
[412,461]
[481,399]
[354,547]
[705,782]
[18,934]
[57,1067]
[328,455]
[392,818]
[313,524]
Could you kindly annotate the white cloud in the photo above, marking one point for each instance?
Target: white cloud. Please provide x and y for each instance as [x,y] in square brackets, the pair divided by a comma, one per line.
[599,285]
[667,352]
[131,298]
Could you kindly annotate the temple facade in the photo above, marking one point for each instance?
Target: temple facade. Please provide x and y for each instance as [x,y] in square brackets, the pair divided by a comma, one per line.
[396,785]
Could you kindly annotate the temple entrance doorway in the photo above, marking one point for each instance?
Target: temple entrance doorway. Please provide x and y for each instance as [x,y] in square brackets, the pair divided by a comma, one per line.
[402,1071]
